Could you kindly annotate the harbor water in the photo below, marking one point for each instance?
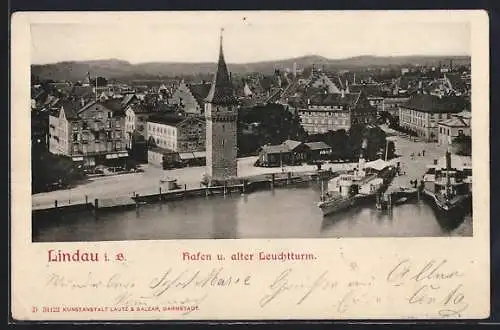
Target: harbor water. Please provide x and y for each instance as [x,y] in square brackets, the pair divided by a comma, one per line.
[279,213]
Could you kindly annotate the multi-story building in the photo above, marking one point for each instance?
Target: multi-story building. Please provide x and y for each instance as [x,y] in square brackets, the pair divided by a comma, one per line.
[422,113]
[172,138]
[449,129]
[190,97]
[93,134]
[221,115]
[329,82]
[392,104]
[136,118]
[330,112]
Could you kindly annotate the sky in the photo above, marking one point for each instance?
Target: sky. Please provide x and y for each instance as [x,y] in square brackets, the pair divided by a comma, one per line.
[248,36]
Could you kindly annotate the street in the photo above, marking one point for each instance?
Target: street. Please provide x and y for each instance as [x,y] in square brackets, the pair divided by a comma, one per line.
[148,182]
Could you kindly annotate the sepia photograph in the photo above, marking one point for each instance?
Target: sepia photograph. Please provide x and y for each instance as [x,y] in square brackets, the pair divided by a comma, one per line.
[250,130]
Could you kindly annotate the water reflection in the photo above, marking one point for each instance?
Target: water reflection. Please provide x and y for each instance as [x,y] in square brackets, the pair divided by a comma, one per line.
[278,213]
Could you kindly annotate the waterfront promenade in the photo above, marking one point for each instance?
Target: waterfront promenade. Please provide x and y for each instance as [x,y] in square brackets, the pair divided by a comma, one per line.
[148,182]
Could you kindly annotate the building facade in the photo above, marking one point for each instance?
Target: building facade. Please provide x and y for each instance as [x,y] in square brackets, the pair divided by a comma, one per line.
[91,135]
[392,104]
[177,133]
[331,112]
[221,115]
[449,129]
[136,118]
[422,113]
[190,97]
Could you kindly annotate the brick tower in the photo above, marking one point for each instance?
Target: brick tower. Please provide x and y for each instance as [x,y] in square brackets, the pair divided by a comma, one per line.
[221,119]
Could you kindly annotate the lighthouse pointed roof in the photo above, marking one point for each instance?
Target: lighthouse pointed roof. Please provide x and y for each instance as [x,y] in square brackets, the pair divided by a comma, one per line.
[222,91]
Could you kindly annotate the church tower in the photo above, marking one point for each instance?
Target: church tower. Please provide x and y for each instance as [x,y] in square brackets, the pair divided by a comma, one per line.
[221,119]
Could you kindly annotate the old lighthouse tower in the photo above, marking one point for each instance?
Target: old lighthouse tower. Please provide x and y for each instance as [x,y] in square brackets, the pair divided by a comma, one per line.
[221,119]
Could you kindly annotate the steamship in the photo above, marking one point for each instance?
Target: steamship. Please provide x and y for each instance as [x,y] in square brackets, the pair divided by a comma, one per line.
[353,187]
[448,184]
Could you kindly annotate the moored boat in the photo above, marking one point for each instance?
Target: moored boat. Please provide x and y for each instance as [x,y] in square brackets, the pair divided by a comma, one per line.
[351,188]
[448,183]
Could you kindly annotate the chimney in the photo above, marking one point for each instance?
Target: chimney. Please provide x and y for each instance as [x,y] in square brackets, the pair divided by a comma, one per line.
[342,94]
[354,78]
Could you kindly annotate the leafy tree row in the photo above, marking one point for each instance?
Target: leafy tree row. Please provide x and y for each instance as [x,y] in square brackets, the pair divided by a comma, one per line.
[273,124]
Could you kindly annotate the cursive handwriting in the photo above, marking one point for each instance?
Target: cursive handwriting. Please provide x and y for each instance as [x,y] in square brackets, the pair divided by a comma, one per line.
[406,270]
[282,283]
[217,277]
[115,281]
[437,285]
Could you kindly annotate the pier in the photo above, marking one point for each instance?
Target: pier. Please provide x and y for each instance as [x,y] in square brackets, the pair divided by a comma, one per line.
[243,185]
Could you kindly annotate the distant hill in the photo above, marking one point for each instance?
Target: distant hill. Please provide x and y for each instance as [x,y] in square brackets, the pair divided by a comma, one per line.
[113,68]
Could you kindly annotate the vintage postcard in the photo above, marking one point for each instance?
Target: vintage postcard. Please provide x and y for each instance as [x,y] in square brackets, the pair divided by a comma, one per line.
[250,165]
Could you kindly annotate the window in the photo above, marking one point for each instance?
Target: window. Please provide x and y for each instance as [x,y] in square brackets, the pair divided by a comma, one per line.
[75,136]
[109,114]
[460,132]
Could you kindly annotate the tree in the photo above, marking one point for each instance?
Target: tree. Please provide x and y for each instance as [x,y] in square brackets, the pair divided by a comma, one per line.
[101,82]
[48,168]
[273,124]
[462,145]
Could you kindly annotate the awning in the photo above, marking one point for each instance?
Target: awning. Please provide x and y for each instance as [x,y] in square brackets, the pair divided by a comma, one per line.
[186,155]
[77,159]
[378,164]
[111,156]
[200,154]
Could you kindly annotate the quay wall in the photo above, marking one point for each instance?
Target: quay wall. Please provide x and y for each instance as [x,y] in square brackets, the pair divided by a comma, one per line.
[243,185]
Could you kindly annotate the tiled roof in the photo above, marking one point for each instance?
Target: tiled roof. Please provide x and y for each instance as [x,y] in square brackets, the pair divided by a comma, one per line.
[317,145]
[456,81]
[141,108]
[291,144]
[454,122]
[70,109]
[200,92]
[349,99]
[435,104]
[167,119]
[221,91]
[368,89]
[127,99]
[82,91]
[275,149]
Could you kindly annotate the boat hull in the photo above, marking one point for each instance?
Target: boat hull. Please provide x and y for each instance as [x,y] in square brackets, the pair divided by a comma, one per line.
[332,206]
[450,214]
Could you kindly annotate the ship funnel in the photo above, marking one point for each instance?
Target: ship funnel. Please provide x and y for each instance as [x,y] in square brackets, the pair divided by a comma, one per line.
[364,144]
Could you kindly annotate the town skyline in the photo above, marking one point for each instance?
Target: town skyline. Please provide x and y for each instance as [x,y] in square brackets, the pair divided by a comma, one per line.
[193,38]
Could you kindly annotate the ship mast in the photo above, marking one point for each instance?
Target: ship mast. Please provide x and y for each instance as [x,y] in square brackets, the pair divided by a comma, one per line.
[448,168]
